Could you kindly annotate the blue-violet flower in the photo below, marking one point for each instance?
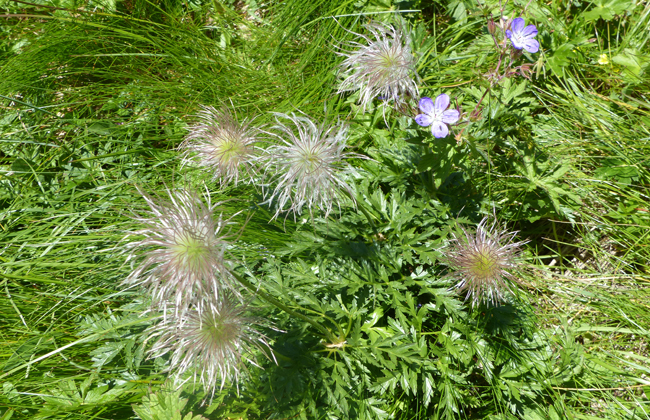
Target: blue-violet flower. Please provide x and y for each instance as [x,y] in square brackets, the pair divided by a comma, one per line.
[437,115]
[522,37]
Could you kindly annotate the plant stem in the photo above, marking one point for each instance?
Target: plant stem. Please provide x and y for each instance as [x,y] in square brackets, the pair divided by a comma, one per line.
[559,245]
[363,210]
[273,301]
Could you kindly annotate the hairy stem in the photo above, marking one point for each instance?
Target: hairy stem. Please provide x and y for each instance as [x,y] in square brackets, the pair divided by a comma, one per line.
[273,301]
[363,210]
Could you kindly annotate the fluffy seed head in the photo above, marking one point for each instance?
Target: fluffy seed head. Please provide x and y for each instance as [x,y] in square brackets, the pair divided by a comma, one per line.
[483,262]
[381,64]
[212,345]
[181,253]
[221,144]
[309,163]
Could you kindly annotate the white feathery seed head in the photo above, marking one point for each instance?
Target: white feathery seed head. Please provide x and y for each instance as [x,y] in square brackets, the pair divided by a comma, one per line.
[308,164]
[222,144]
[181,250]
[381,65]
[212,346]
[484,262]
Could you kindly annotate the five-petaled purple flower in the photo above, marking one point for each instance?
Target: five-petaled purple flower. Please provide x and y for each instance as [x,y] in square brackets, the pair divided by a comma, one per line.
[522,37]
[437,115]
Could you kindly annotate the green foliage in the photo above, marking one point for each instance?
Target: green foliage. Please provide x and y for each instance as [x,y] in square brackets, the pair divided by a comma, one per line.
[69,395]
[606,10]
[166,404]
[98,95]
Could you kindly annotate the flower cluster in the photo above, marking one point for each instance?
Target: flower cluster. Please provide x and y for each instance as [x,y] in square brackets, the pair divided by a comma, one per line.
[306,165]
[181,255]
[181,262]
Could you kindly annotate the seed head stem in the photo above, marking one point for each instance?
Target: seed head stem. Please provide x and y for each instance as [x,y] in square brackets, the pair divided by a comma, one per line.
[361,207]
[273,301]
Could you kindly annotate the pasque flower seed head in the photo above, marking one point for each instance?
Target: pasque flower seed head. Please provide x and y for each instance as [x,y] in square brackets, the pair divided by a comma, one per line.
[380,65]
[484,262]
[212,346]
[222,145]
[181,250]
[308,164]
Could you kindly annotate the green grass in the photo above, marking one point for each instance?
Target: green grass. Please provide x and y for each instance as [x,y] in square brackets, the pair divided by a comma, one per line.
[96,97]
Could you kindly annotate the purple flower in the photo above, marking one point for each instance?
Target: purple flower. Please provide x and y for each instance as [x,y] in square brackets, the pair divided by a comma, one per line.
[436,116]
[522,37]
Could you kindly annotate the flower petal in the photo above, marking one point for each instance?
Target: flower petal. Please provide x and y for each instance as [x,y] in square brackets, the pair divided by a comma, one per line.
[439,130]
[517,25]
[529,31]
[442,102]
[450,116]
[509,33]
[426,106]
[516,42]
[424,120]
[531,45]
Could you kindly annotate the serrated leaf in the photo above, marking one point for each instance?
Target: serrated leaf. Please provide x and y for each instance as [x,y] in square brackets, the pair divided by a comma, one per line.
[427,390]
[513,91]
[381,414]
[102,395]
[23,166]
[189,416]
[561,57]
[104,128]
[607,9]
[166,404]
[107,352]
[427,162]
[634,62]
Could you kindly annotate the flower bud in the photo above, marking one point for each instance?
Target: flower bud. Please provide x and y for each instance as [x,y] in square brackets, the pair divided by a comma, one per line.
[476,114]
[492,27]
